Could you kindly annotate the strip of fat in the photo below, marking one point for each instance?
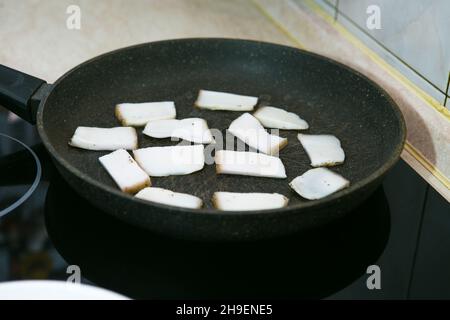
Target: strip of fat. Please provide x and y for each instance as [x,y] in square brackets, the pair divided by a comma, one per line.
[172,160]
[138,114]
[93,138]
[168,197]
[248,129]
[125,172]
[190,129]
[318,183]
[272,117]
[214,100]
[235,201]
[249,164]
[323,149]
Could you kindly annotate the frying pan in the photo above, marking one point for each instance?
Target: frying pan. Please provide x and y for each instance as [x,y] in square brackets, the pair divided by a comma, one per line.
[331,97]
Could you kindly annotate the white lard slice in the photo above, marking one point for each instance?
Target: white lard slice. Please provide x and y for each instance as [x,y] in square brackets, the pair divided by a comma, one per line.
[248,164]
[323,149]
[248,129]
[172,160]
[190,129]
[138,114]
[125,171]
[168,197]
[215,100]
[271,117]
[92,138]
[318,183]
[234,201]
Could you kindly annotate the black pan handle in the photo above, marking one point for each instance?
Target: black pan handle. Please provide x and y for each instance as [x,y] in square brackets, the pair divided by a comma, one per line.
[16,92]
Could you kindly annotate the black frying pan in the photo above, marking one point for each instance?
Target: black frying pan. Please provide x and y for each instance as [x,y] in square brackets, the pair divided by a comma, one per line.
[333,98]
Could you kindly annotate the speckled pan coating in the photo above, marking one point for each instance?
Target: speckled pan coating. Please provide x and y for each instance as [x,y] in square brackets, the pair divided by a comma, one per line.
[331,97]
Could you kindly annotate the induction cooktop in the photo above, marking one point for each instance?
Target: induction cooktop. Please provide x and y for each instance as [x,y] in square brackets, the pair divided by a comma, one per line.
[47,231]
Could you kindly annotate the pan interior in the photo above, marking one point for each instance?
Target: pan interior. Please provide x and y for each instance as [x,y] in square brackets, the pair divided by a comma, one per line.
[331,98]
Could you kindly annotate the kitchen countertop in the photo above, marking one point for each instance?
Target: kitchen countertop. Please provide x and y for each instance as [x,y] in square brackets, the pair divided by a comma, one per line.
[37,34]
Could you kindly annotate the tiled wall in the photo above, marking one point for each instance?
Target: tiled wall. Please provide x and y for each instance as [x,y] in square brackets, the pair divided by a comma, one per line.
[414,37]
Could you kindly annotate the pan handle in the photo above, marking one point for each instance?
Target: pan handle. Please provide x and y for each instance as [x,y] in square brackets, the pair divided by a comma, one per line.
[16,92]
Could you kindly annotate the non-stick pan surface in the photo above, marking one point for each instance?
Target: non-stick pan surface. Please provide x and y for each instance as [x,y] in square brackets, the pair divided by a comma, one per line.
[332,98]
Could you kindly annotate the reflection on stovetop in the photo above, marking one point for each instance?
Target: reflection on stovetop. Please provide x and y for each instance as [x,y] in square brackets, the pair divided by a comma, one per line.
[12,125]
[139,264]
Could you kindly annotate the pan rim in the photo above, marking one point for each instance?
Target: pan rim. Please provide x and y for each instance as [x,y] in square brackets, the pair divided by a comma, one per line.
[381,171]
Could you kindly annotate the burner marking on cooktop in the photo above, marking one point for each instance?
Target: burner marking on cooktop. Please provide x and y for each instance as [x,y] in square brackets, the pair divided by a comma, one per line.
[35,183]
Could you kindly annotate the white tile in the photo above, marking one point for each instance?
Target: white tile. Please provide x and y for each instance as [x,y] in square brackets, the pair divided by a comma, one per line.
[415,30]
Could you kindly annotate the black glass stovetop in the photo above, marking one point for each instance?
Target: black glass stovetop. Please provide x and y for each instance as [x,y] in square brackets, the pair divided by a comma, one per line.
[46,227]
